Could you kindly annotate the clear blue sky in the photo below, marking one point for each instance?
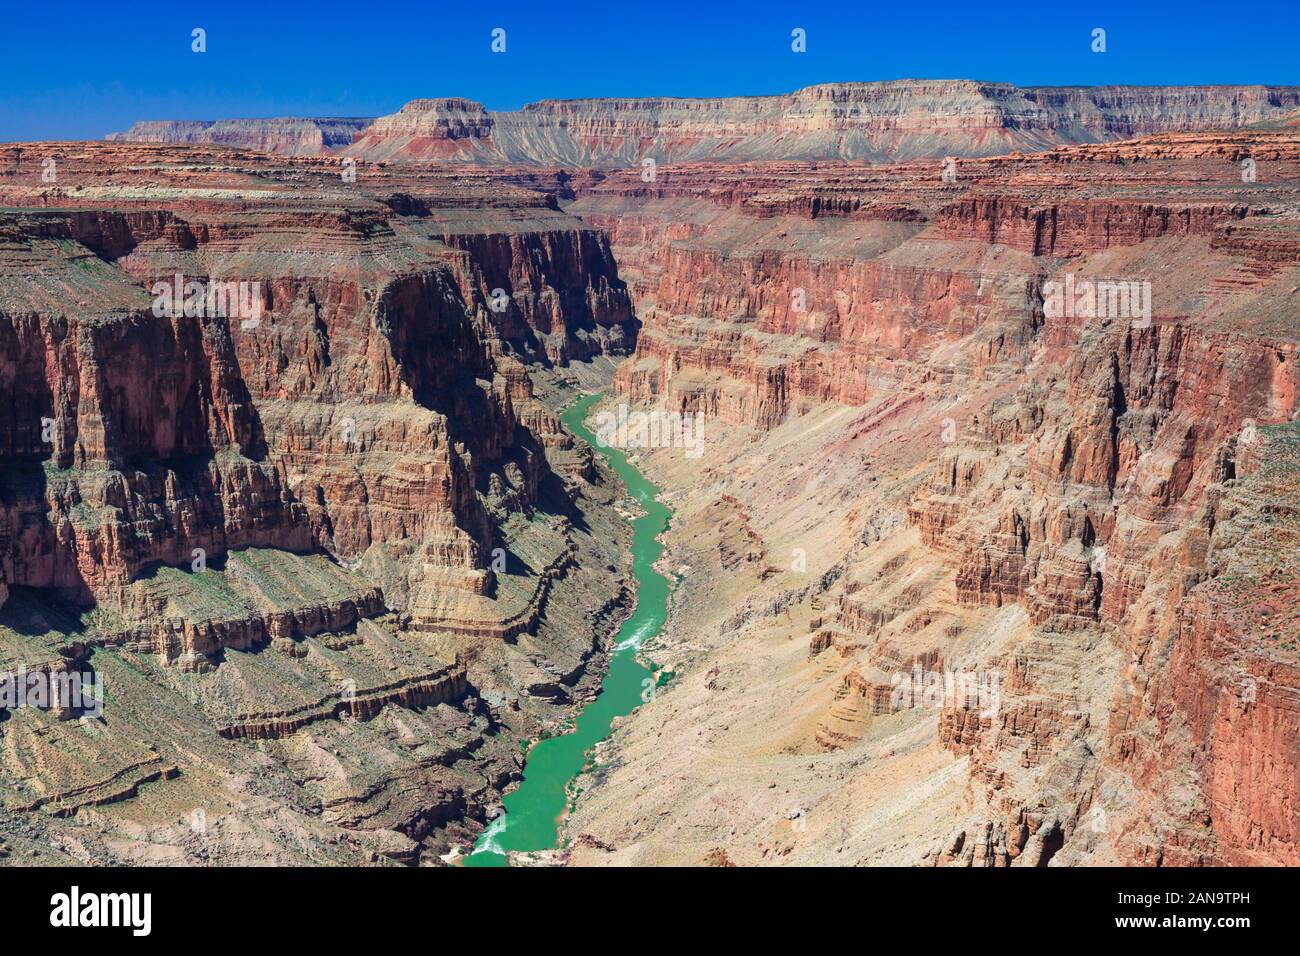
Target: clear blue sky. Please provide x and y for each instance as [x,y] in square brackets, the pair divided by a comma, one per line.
[74,70]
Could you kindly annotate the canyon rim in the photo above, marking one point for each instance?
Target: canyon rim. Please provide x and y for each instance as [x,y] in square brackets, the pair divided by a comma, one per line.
[886,473]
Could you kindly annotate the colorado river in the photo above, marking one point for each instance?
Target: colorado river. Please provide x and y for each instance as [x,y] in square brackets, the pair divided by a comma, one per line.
[534,810]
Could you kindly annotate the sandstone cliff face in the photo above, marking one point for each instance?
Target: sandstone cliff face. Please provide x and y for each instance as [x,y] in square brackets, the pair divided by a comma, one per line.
[911,264]
[551,294]
[365,394]
[330,341]
[1209,708]
[1075,502]
[877,122]
[87,432]
[429,130]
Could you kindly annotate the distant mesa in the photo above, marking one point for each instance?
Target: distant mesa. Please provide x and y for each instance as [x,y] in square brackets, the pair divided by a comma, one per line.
[288,136]
[888,121]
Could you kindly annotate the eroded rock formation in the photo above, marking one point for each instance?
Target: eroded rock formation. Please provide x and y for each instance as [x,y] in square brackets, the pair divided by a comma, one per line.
[886,121]
[972,571]
[290,136]
[273,471]
[1022,546]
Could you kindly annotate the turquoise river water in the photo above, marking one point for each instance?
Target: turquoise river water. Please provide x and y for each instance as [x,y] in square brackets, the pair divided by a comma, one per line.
[533,812]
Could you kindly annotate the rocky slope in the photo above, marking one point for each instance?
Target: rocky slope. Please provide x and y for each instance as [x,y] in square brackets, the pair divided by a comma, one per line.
[967,578]
[878,122]
[325,550]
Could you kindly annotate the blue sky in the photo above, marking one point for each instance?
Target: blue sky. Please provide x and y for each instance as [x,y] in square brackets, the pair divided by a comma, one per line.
[74,70]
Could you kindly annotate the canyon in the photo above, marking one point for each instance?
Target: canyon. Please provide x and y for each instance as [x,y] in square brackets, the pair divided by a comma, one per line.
[916,474]
[334,562]
[329,561]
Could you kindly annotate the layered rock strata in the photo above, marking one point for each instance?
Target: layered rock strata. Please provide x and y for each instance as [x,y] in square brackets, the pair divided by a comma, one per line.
[876,122]
[274,471]
[289,136]
[1014,605]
